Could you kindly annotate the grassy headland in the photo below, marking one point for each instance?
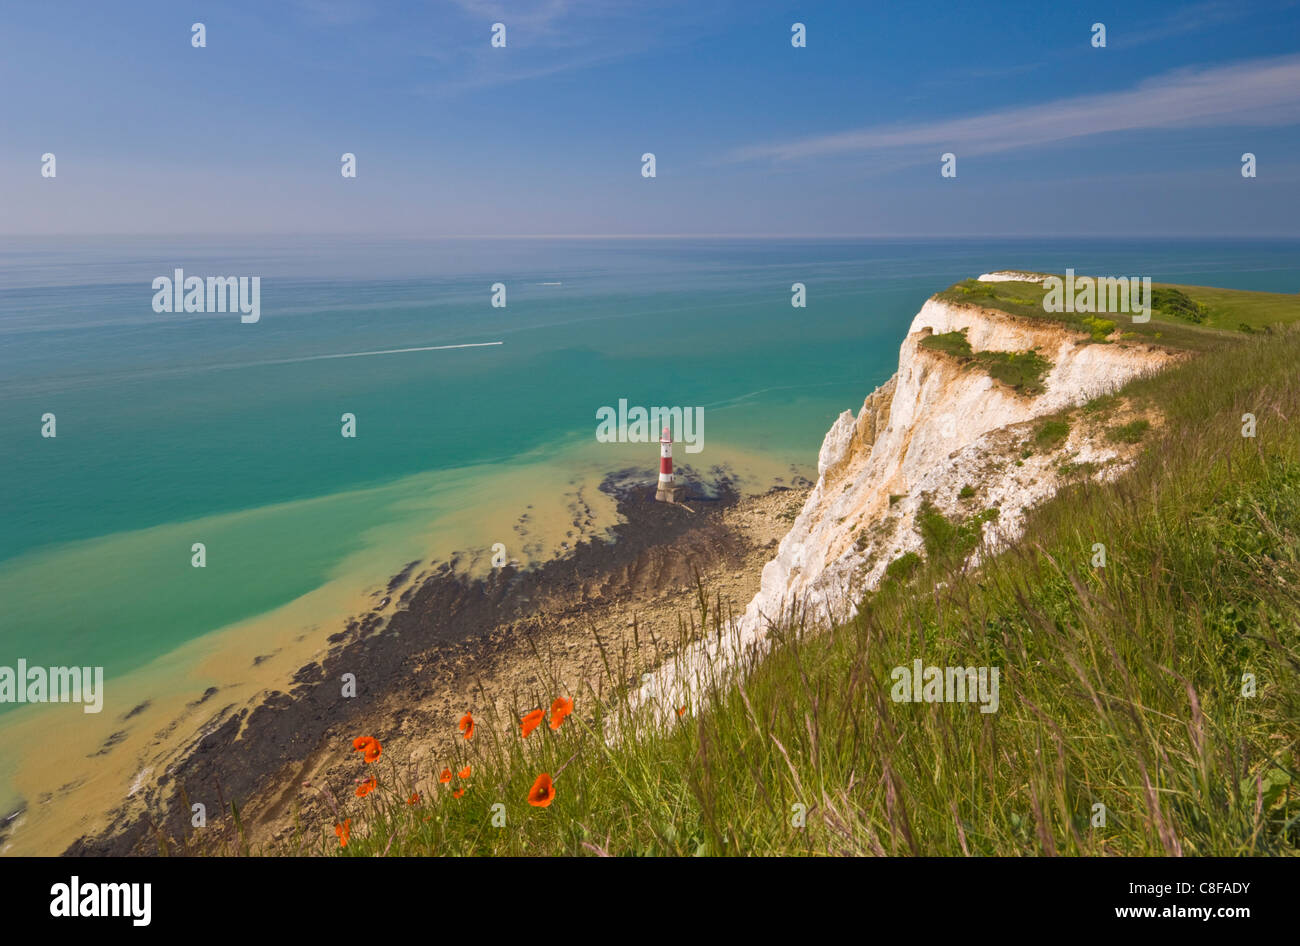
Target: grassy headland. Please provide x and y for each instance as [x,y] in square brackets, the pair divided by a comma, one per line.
[1195,318]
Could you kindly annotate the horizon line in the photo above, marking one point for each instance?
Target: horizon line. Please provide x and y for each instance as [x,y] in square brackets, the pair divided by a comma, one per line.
[1182,235]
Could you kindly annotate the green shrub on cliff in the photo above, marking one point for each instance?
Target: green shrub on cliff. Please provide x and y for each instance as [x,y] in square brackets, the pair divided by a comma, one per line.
[950,540]
[1022,371]
[1101,328]
[1051,434]
[903,567]
[1176,303]
[950,343]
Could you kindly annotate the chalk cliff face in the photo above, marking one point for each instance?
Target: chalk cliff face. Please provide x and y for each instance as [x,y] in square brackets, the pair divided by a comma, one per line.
[925,432]
[936,426]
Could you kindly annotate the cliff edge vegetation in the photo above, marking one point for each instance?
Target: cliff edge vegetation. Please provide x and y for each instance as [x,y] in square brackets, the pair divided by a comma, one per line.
[1194,318]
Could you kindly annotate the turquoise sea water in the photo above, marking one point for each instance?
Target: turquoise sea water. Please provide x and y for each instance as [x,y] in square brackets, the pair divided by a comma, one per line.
[171,425]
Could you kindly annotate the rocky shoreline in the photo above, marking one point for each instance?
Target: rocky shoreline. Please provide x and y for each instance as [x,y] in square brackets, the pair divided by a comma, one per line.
[439,643]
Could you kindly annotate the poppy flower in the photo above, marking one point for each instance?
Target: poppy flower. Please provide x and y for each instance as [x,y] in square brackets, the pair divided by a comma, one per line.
[445,777]
[467,725]
[532,721]
[343,832]
[414,799]
[457,793]
[464,773]
[559,710]
[543,792]
[366,787]
[681,711]
[369,746]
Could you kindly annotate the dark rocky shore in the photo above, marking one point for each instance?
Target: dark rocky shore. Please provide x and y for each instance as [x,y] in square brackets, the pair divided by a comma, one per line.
[257,757]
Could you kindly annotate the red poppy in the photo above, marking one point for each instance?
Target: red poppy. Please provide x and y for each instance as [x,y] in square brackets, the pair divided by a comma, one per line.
[369,746]
[681,711]
[543,792]
[464,773]
[467,725]
[445,777]
[457,793]
[414,799]
[532,720]
[559,710]
[343,832]
[366,787]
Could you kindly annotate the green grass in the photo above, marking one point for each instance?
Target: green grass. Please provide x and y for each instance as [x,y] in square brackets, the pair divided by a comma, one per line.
[1223,312]
[1230,309]
[1022,371]
[1070,468]
[954,344]
[1121,685]
[1102,406]
[1132,432]
[903,567]
[950,540]
[1050,435]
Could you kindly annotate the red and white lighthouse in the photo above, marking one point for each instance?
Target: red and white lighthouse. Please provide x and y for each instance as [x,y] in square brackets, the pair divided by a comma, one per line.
[668,491]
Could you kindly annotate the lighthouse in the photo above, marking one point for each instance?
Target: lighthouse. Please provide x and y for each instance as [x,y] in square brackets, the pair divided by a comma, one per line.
[668,491]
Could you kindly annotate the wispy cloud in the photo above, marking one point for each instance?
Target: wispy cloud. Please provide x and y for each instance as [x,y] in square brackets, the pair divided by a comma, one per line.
[1191,19]
[540,17]
[552,37]
[1259,92]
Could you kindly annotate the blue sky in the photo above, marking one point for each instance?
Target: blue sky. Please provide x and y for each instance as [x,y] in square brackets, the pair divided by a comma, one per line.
[751,135]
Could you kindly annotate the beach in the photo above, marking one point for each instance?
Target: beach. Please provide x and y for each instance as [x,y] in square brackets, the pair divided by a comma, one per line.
[436,642]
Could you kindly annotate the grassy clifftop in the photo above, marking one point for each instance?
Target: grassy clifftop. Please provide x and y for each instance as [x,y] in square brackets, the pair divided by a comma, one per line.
[1149,696]
[1195,318]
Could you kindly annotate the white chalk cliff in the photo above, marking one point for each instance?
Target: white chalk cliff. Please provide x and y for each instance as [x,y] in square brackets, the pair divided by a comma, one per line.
[935,426]
[1012,275]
